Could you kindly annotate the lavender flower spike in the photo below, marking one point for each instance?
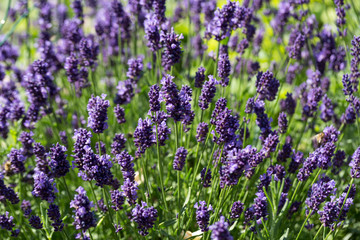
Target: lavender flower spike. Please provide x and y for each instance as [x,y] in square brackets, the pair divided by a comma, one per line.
[97,108]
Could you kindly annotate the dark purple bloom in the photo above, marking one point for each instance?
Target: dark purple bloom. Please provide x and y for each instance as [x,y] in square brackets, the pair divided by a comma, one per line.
[262,119]
[97,109]
[267,85]
[59,165]
[284,153]
[203,215]
[202,131]
[26,208]
[172,49]
[78,9]
[313,99]
[145,217]
[224,68]
[44,187]
[236,209]
[327,109]
[206,177]
[283,123]
[354,64]
[180,158]
[130,191]
[260,205]
[270,144]
[200,77]
[135,69]
[187,114]
[152,33]
[16,161]
[220,230]
[331,134]
[27,143]
[118,144]
[125,92]
[117,199]
[35,222]
[89,50]
[355,164]
[54,214]
[289,104]
[226,124]
[296,160]
[338,161]
[82,139]
[348,87]
[163,133]
[42,163]
[84,218]
[119,114]
[125,160]
[207,92]
[6,222]
[319,192]
[296,43]
[154,101]
[144,136]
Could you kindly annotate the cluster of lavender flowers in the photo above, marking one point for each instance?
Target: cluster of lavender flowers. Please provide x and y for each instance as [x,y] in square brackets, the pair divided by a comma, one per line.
[252,124]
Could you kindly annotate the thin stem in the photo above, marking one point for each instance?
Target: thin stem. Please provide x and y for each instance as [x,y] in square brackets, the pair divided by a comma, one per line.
[3,21]
[160,169]
[318,232]
[302,227]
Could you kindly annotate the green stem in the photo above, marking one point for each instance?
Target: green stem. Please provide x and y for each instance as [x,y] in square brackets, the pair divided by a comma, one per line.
[302,227]
[318,232]
[160,169]
[3,21]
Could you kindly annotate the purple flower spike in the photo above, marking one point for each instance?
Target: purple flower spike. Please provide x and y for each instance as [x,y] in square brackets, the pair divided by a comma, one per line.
[97,108]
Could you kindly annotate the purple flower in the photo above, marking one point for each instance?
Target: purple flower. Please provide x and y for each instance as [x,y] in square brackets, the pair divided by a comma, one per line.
[119,114]
[327,109]
[27,143]
[6,222]
[130,190]
[84,218]
[145,217]
[284,153]
[152,33]
[355,164]
[125,160]
[270,144]
[35,222]
[319,192]
[144,136]
[262,119]
[224,68]
[117,199]
[260,205]
[180,158]
[220,230]
[154,95]
[44,187]
[296,43]
[283,123]
[89,51]
[296,160]
[78,9]
[202,131]
[200,77]
[338,161]
[226,124]
[311,105]
[207,92]
[42,163]
[289,104]
[354,64]
[7,192]
[54,214]
[203,215]
[26,208]
[172,49]
[118,144]
[58,163]
[135,69]
[206,177]
[163,133]
[236,209]
[97,109]
[266,85]
[16,161]
[82,139]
